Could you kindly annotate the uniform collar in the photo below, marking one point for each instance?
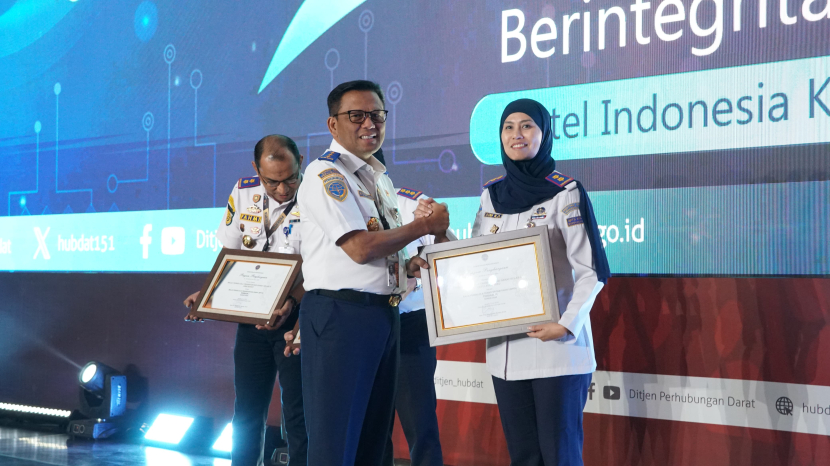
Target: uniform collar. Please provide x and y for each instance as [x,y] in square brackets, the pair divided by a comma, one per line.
[354,163]
[277,205]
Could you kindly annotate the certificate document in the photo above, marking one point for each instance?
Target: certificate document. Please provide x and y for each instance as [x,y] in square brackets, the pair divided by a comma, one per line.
[248,287]
[489,286]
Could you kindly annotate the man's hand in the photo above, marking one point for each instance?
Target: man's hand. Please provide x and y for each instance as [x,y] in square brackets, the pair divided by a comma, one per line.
[547,332]
[188,302]
[290,347]
[282,314]
[439,221]
[414,266]
[424,208]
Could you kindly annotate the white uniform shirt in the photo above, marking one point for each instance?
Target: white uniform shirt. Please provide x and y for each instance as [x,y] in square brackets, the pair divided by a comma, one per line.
[407,203]
[334,200]
[245,216]
[519,357]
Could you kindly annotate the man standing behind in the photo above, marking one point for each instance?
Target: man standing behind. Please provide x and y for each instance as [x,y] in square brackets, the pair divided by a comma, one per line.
[262,215]
[355,269]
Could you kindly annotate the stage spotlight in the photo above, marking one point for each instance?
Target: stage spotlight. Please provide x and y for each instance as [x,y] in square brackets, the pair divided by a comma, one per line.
[103,391]
[180,432]
[103,399]
[168,428]
[225,441]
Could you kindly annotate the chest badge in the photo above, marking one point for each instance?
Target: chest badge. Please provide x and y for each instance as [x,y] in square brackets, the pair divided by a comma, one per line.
[255,230]
[241,227]
[373,224]
[494,229]
[254,209]
[257,197]
[530,224]
[248,242]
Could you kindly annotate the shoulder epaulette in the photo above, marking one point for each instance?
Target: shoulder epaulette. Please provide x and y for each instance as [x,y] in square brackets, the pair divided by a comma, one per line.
[329,156]
[559,179]
[409,193]
[248,182]
[493,181]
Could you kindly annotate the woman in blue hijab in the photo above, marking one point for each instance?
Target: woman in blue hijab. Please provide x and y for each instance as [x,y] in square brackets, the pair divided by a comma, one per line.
[541,378]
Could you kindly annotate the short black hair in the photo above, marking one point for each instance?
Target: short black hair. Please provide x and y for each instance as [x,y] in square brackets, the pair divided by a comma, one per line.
[278,140]
[336,94]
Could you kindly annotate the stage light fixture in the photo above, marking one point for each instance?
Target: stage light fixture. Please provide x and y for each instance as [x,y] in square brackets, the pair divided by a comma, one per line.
[103,391]
[24,409]
[103,400]
[178,432]
[225,441]
[168,428]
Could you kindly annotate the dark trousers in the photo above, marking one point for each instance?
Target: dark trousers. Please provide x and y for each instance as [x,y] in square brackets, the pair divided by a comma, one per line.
[350,364]
[542,419]
[258,358]
[416,401]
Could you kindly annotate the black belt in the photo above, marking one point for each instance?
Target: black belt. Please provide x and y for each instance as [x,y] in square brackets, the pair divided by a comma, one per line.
[361,297]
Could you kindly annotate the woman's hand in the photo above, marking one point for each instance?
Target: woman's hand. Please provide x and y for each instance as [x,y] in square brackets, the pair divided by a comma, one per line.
[547,332]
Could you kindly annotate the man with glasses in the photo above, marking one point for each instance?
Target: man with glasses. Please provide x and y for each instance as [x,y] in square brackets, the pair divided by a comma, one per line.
[355,268]
[262,215]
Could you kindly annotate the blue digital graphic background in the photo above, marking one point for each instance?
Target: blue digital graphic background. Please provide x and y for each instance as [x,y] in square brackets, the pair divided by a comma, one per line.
[148,106]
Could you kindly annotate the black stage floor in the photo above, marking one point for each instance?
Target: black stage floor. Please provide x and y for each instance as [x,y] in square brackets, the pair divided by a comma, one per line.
[19,447]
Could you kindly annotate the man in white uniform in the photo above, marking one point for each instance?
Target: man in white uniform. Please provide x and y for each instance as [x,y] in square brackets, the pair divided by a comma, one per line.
[262,215]
[416,400]
[355,268]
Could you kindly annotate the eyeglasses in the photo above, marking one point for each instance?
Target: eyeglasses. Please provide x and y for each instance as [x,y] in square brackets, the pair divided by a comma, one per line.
[358,116]
[290,182]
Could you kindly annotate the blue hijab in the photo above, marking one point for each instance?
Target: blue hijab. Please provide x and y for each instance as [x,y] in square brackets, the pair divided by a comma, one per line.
[525,185]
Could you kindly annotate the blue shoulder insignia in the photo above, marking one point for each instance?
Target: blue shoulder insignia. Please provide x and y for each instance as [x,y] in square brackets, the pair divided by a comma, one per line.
[493,181]
[559,179]
[329,156]
[409,193]
[248,182]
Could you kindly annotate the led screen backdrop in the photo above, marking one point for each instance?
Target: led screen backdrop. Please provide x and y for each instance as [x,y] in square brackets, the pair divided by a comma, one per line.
[701,127]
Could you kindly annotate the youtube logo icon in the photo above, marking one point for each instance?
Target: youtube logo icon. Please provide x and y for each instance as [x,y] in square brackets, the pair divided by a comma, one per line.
[172,241]
[611,392]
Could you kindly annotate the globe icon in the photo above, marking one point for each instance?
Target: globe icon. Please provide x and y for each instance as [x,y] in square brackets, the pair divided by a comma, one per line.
[784,406]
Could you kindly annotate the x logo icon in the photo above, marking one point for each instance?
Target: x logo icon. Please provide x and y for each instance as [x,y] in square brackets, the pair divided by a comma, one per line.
[41,243]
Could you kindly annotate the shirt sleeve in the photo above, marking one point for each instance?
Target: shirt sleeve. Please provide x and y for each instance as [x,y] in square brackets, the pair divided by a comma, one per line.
[479,217]
[331,204]
[228,232]
[580,256]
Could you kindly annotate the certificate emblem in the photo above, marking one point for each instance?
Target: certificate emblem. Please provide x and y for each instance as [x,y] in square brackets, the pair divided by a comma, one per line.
[257,197]
[248,242]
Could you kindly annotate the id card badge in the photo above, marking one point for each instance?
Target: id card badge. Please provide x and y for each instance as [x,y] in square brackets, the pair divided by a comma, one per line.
[286,248]
[393,273]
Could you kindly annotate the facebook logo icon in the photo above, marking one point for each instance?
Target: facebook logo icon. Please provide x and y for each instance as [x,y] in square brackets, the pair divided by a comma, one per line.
[145,241]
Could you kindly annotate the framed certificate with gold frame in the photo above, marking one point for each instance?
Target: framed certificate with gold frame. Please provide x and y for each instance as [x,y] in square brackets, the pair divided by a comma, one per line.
[247,287]
[489,286]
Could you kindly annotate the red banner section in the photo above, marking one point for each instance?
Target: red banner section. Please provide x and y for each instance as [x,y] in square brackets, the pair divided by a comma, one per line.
[756,329]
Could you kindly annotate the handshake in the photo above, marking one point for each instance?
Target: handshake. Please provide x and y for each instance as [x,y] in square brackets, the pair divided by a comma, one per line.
[435,216]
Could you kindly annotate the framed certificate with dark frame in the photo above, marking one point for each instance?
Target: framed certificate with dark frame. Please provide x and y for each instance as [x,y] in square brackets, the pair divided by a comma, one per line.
[489,286]
[247,286]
